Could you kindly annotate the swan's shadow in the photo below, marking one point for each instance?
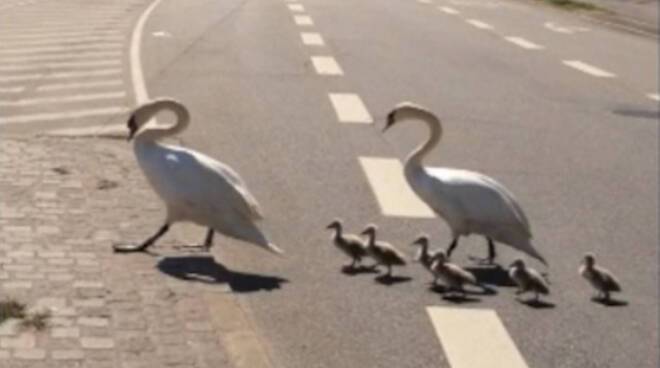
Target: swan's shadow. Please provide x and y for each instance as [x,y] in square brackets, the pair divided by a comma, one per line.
[610,302]
[352,271]
[442,289]
[492,275]
[206,271]
[460,299]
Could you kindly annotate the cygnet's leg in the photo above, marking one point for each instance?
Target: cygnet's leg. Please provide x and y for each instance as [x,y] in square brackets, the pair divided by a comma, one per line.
[453,245]
[147,243]
[208,242]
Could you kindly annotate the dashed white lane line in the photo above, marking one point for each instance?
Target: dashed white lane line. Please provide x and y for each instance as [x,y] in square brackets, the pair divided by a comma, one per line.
[30,118]
[525,44]
[589,69]
[326,65]
[57,35]
[393,194]
[424,1]
[73,64]
[448,10]
[296,7]
[64,99]
[350,108]
[91,46]
[37,76]
[17,89]
[312,39]
[61,56]
[474,338]
[479,24]
[303,20]
[81,85]
[653,96]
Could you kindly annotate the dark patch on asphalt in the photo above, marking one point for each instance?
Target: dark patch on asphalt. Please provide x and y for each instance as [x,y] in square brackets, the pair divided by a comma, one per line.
[610,302]
[637,113]
[105,184]
[493,275]
[537,304]
[61,170]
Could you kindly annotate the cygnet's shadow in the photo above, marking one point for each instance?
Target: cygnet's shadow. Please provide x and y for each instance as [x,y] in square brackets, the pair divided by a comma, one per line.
[206,270]
[391,280]
[459,299]
[483,290]
[493,275]
[610,302]
[536,304]
[357,270]
[638,113]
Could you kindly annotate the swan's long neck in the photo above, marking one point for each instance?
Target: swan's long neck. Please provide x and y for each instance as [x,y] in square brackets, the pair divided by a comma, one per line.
[156,132]
[435,133]
[371,239]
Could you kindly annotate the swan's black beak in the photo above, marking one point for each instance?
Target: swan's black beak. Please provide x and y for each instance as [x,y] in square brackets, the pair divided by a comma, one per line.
[390,121]
[132,127]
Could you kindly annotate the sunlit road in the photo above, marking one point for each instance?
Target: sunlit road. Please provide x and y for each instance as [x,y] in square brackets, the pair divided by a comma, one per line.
[293,95]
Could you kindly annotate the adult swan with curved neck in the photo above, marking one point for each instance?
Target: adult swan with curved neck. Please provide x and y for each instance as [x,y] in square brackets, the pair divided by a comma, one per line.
[194,187]
[470,202]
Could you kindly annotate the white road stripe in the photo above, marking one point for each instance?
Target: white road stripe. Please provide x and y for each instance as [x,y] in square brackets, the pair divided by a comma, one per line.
[303,20]
[589,69]
[312,39]
[394,195]
[57,35]
[139,86]
[64,99]
[448,10]
[81,85]
[74,64]
[653,96]
[296,7]
[69,27]
[61,40]
[349,108]
[32,118]
[479,24]
[18,89]
[424,1]
[61,56]
[33,50]
[525,44]
[474,338]
[326,65]
[37,76]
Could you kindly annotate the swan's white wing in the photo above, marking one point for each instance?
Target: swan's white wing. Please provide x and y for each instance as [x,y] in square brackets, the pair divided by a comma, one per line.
[480,198]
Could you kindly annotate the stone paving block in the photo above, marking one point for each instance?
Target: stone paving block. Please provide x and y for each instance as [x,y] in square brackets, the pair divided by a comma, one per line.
[30,354]
[25,340]
[65,332]
[97,343]
[68,354]
[11,285]
[93,321]
[10,327]
[4,354]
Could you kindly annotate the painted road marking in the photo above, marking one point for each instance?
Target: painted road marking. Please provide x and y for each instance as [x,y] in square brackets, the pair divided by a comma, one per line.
[525,44]
[326,65]
[448,10]
[62,40]
[394,195]
[64,86]
[349,108]
[589,69]
[303,20]
[139,86]
[474,338]
[479,24]
[653,96]
[33,50]
[61,56]
[64,99]
[37,76]
[31,118]
[312,39]
[424,1]
[12,89]
[296,7]
[59,35]
[565,30]
[74,64]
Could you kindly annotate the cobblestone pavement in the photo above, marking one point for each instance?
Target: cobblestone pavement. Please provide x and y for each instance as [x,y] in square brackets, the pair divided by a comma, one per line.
[63,202]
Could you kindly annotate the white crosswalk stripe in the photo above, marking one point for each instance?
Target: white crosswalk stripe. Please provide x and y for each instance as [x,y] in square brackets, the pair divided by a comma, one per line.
[64,61]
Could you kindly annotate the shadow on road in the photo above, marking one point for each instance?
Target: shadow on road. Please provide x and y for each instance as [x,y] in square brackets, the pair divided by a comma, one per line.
[536,304]
[610,303]
[492,275]
[352,271]
[642,114]
[460,299]
[391,280]
[206,270]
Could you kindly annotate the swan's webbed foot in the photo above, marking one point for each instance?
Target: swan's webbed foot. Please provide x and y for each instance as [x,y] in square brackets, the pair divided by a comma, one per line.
[131,248]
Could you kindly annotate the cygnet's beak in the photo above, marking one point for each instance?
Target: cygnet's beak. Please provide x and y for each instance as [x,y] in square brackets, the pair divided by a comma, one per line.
[389,122]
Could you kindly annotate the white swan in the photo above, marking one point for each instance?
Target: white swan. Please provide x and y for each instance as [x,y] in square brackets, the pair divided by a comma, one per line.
[468,201]
[194,187]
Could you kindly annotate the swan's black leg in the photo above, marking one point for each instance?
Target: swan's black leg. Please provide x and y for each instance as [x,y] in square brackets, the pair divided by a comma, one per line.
[147,243]
[453,245]
[208,242]
[491,251]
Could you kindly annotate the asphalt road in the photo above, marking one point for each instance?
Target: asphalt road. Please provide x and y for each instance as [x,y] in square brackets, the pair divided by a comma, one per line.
[579,152]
